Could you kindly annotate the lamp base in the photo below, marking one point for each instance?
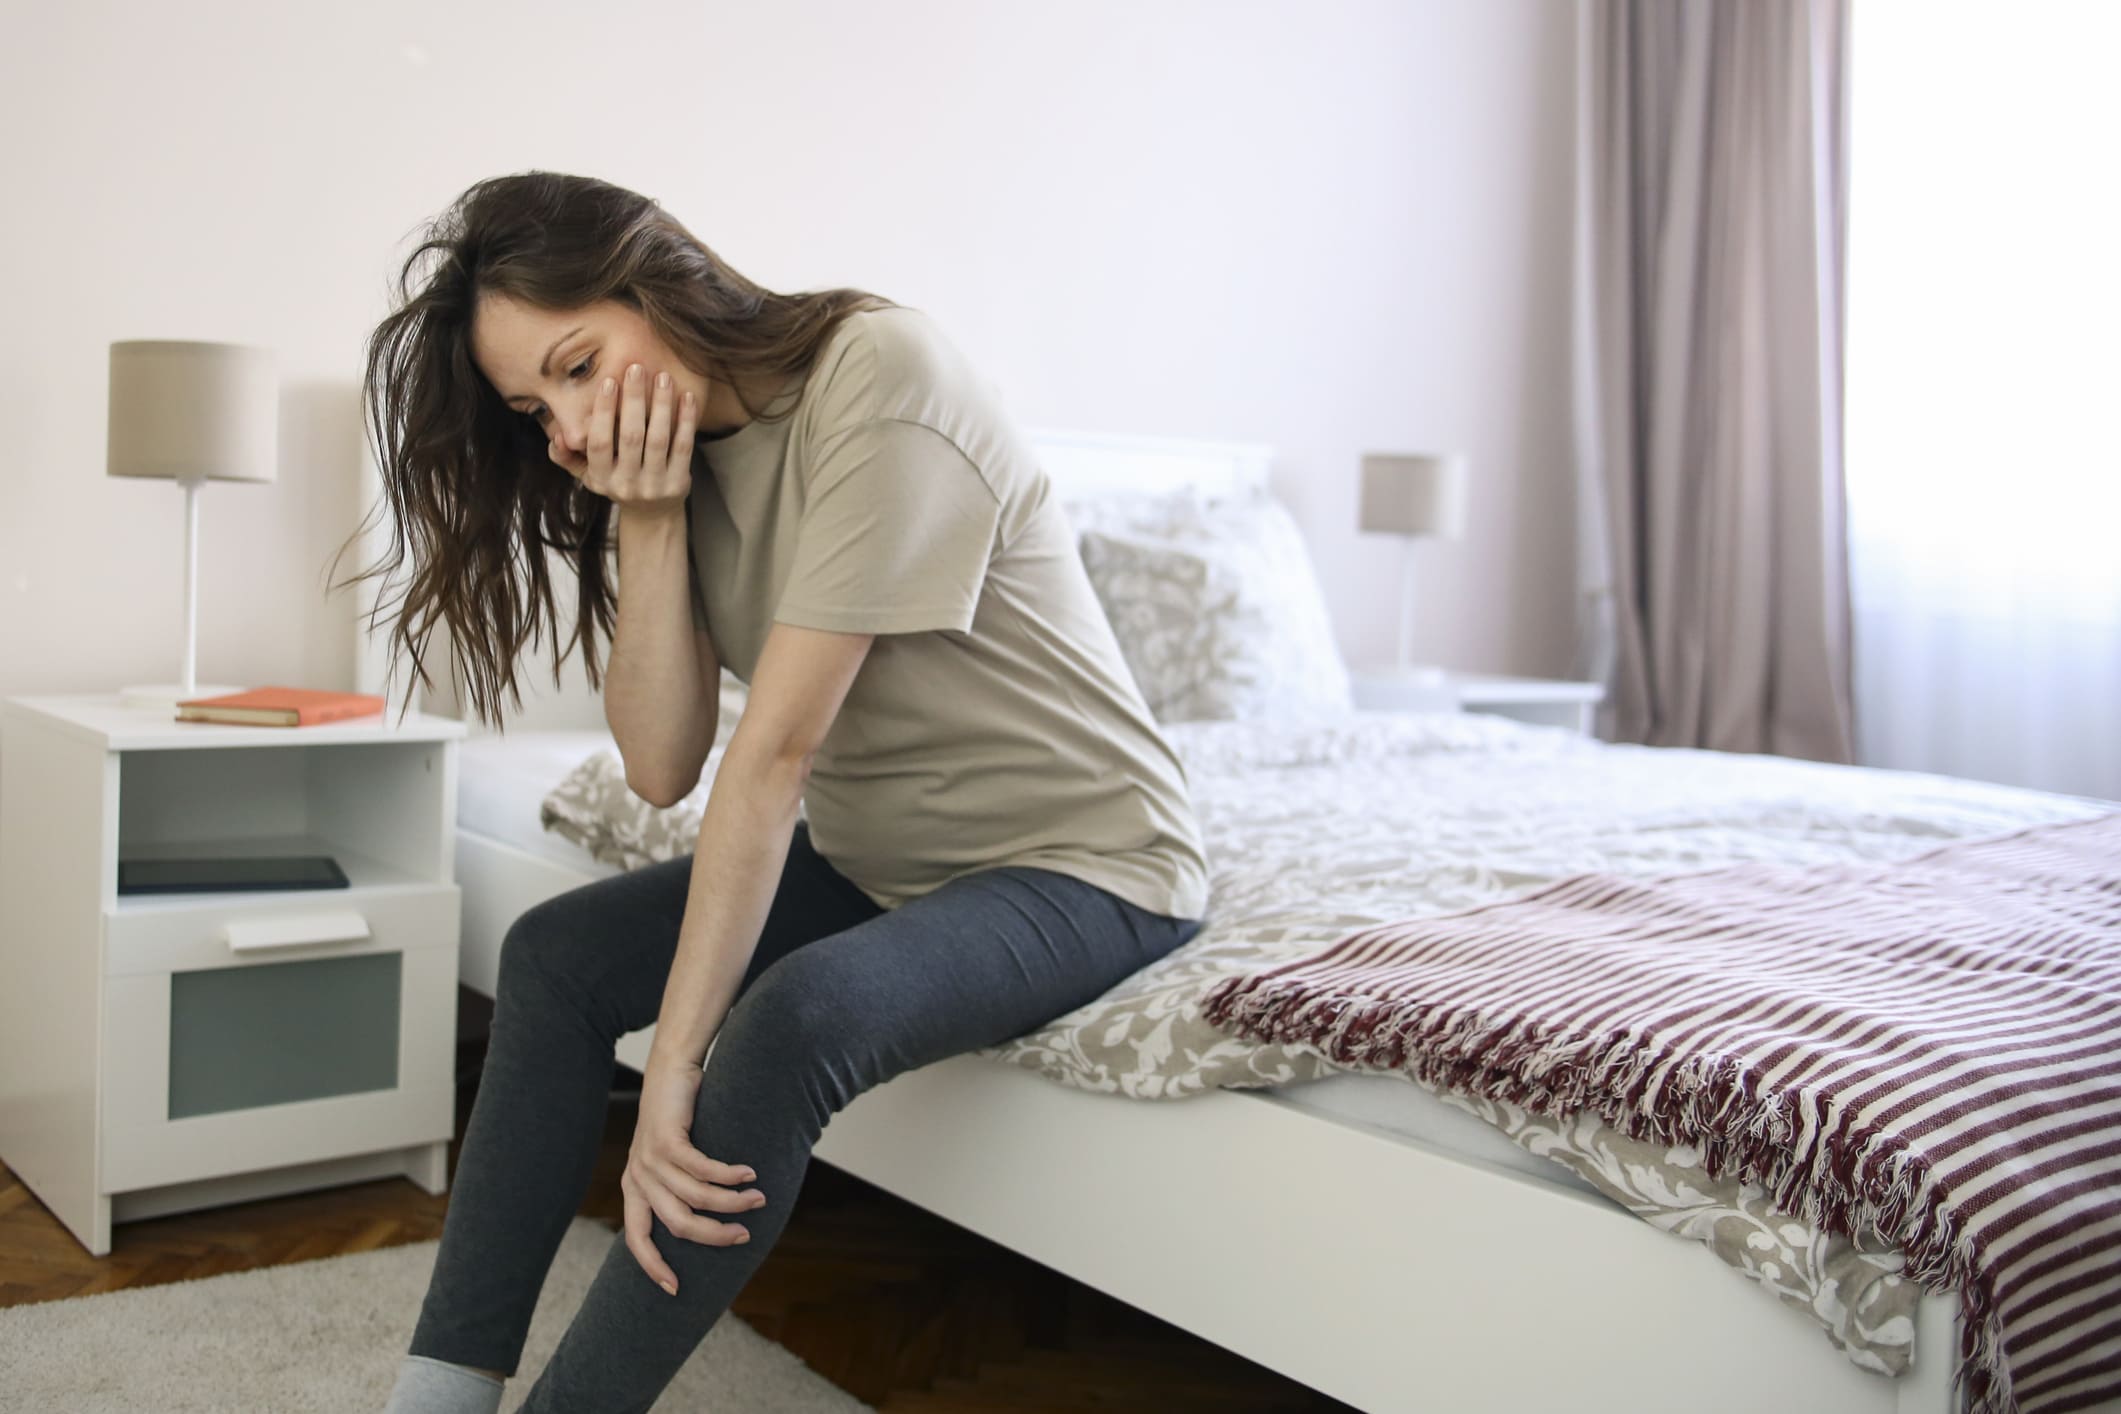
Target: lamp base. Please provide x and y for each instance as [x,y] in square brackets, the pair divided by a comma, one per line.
[168,695]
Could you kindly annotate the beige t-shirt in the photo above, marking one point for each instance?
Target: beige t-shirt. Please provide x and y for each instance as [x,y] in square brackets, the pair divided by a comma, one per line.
[993,721]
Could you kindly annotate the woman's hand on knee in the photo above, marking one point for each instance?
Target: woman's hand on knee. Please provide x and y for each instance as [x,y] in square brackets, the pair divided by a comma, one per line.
[667,1178]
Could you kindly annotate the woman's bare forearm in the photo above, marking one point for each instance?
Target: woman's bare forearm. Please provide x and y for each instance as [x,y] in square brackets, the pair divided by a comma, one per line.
[658,709]
[737,862]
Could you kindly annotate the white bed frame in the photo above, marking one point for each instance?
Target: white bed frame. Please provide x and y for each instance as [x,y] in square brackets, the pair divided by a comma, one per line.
[1389,1273]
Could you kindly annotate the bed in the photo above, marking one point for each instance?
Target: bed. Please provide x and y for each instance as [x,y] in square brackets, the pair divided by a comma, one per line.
[1390,1245]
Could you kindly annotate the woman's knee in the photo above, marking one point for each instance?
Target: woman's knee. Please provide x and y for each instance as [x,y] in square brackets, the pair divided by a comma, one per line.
[800,1003]
[542,944]
[558,964]
[800,1023]
[617,928]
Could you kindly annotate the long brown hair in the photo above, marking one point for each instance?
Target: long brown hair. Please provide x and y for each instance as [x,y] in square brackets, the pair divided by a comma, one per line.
[468,479]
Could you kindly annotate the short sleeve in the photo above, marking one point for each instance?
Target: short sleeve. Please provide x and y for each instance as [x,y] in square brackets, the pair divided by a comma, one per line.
[897,529]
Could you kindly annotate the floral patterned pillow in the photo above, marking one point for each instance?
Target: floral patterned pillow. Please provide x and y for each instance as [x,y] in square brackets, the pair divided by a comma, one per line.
[1221,618]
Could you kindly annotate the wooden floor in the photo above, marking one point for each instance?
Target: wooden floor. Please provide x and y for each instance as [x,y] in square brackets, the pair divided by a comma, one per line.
[902,1309]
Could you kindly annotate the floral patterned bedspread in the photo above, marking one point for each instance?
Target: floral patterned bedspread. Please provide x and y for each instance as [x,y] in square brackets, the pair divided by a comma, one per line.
[1318,830]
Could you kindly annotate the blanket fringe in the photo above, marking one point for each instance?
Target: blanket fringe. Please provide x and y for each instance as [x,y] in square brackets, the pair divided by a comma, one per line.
[1875,1183]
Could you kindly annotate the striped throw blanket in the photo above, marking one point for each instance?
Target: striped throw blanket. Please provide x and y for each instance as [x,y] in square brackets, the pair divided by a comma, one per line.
[1928,1049]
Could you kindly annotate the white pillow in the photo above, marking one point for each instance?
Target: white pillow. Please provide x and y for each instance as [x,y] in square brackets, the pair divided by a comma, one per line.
[1221,618]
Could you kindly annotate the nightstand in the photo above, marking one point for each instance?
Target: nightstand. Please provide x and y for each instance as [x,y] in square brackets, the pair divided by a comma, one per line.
[1545,702]
[163,1052]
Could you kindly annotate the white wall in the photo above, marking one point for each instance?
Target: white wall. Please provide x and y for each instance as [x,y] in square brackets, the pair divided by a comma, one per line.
[1329,226]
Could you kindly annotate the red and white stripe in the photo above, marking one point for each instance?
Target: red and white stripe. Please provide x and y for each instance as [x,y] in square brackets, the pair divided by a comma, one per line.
[1930,1047]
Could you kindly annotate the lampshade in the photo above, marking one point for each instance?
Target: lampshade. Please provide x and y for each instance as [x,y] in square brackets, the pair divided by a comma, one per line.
[192,411]
[1414,495]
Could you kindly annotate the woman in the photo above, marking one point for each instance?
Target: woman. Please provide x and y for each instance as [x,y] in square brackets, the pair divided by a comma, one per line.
[818,493]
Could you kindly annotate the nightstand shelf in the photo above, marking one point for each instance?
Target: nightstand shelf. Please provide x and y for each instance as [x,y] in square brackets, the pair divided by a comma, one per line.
[363,871]
[166,1052]
[1540,701]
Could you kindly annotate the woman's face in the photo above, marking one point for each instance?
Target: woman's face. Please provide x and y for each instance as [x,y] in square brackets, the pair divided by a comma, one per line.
[549,364]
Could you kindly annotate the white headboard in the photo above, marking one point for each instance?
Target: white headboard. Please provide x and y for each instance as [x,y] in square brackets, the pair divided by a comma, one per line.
[1100,464]
[1081,465]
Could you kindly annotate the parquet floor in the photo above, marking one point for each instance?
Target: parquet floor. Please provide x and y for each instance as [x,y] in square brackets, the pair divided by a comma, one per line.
[904,1310]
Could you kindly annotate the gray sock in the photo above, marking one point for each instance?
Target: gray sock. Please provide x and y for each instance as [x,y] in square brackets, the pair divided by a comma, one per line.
[429,1386]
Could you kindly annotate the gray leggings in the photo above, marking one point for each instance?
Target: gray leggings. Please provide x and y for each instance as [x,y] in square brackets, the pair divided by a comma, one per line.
[841,995]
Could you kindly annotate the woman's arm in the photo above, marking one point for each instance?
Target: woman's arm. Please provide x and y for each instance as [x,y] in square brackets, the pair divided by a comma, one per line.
[736,869]
[662,692]
[802,677]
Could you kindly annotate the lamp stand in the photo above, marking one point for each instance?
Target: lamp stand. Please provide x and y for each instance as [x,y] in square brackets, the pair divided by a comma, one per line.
[1423,674]
[168,695]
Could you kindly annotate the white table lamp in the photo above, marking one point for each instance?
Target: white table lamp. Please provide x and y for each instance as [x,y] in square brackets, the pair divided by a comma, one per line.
[191,412]
[1414,496]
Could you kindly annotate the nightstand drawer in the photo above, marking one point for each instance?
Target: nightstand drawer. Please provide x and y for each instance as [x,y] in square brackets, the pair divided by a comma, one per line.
[264,1032]
[181,934]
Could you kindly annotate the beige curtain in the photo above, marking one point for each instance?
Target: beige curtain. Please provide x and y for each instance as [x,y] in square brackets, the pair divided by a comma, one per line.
[1710,237]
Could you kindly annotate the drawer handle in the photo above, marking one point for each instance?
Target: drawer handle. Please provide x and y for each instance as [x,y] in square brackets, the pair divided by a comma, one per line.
[259,934]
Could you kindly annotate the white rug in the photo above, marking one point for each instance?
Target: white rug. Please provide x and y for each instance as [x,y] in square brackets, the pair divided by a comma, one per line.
[327,1336]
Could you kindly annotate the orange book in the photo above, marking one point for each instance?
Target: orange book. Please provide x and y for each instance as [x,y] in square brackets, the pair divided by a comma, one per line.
[280,707]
